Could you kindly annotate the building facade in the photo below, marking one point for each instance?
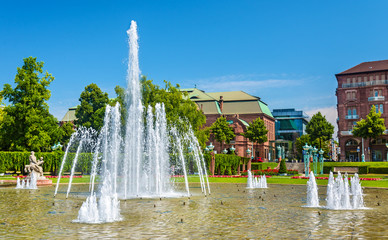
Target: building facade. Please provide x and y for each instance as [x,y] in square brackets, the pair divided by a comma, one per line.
[239,109]
[360,88]
[290,125]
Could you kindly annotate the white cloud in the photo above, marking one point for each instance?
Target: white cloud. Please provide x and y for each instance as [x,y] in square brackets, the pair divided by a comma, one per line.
[245,82]
[330,113]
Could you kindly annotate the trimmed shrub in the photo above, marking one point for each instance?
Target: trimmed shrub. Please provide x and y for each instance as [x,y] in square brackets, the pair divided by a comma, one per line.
[282,167]
[15,161]
[225,164]
[378,170]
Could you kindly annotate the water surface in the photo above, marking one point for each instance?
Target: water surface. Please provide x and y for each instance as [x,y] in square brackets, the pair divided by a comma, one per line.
[230,212]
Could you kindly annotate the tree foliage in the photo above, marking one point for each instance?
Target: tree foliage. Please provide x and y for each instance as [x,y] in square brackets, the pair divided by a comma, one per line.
[302,140]
[27,123]
[66,130]
[221,130]
[256,131]
[178,107]
[319,128]
[90,112]
[370,128]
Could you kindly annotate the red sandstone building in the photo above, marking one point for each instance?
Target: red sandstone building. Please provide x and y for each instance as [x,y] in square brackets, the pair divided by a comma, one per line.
[239,109]
[359,88]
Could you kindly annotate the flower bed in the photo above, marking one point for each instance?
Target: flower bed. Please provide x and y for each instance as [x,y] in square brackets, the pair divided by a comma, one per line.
[326,178]
[67,176]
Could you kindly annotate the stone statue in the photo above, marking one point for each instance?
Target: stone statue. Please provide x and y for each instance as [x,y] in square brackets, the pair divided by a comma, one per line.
[34,165]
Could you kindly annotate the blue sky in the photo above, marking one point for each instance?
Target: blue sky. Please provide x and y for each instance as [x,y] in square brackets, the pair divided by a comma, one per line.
[285,52]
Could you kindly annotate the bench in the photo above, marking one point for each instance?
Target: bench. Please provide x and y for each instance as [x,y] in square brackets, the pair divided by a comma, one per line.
[345,169]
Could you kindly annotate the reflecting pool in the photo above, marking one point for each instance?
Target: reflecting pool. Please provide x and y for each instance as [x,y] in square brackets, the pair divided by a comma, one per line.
[230,212]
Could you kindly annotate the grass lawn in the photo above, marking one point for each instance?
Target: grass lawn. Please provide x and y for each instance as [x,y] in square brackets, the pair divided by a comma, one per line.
[272,180]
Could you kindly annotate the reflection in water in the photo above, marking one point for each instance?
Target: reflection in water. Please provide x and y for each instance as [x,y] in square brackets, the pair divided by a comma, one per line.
[273,213]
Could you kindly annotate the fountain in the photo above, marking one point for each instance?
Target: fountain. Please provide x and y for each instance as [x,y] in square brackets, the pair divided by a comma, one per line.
[312,192]
[254,182]
[340,196]
[28,183]
[136,160]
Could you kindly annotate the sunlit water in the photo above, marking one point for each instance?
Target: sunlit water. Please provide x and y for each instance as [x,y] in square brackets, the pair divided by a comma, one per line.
[273,213]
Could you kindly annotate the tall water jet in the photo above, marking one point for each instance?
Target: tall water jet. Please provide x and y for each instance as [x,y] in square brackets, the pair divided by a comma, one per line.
[342,197]
[137,164]
[254,182]
[312,192]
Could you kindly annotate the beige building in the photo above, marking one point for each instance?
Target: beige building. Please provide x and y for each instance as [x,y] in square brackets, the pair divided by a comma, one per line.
[239,109]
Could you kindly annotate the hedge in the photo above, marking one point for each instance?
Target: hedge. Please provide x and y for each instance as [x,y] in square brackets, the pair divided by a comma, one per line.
[382,170]
[15,161]
[363,167]
[225,164]
[263,165]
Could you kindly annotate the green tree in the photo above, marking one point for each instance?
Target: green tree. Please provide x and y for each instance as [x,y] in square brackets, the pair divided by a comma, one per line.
[319,128]
[66,130]
[177,105]
[302,140]
[27,123]
[256,131]
[370,128]
[221,131]
[90,113]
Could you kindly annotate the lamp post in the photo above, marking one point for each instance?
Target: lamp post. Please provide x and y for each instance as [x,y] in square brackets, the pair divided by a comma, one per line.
[232,149]
[306,157]
[224,151]
[248,155]
[213,159]
[315,160]
[362,155]
[279,152]
[321,159]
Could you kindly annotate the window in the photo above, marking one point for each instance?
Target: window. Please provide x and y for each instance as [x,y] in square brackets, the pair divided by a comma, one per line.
[376,93]
[365,79]
[349,111]
[381,108]
[383,77]
[377,77]
[370,78]
[348,80]
[354,111]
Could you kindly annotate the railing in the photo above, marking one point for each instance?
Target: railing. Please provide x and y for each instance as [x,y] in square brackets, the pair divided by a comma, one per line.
[378,98]
[351,117]
[343,133]
[364,84]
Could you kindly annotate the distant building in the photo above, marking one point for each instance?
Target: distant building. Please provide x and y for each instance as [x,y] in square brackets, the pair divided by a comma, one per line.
[239,109]
[290,125]
[360,88]
[69,116]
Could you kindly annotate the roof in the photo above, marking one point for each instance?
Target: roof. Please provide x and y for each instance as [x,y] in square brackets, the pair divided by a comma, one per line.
[234,102]
[367,67]
[70,115]
[199,95]
[232,96]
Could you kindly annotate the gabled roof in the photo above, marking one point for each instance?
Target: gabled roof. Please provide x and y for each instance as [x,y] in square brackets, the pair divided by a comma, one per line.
[70,115]
[367,67]
[232,96]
